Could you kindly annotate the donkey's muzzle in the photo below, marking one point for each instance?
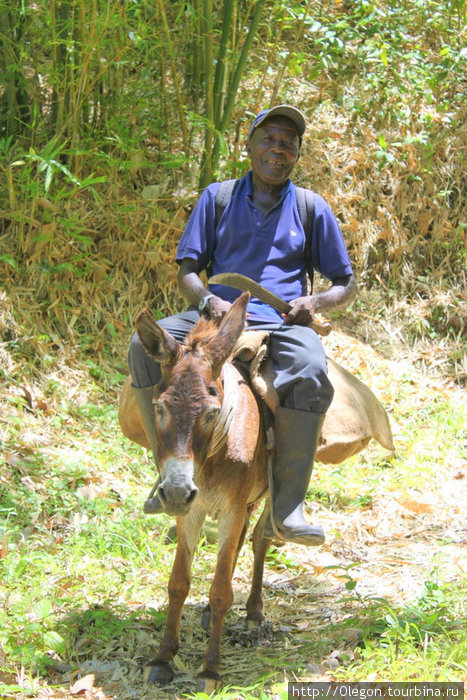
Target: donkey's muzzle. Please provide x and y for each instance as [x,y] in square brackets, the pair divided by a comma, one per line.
[177,491]
[177,501]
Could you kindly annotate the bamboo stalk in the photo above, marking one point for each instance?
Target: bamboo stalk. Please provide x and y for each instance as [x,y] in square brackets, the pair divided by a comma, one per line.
[195,73]
[174,70]
[211,153]
[298,38]
[11,188]
[220,82]
[10,65]
[61,64]
[206,166]
[199,68]
[18,112]
[54,47]
[237,75]
[70,122]
[270,60]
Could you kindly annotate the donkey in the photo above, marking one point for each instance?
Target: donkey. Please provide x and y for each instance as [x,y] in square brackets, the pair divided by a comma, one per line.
[212,460]
[213,451]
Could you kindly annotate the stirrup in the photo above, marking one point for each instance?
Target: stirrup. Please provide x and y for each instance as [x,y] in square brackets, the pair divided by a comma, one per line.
[311,536]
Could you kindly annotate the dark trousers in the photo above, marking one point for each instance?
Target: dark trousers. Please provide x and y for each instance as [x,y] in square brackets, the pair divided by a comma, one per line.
[298,362]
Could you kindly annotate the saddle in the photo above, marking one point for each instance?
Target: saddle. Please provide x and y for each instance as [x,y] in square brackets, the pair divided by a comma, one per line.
[354,417]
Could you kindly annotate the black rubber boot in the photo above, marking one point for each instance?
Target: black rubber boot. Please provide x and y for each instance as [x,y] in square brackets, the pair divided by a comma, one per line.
[296,440]
[143,398]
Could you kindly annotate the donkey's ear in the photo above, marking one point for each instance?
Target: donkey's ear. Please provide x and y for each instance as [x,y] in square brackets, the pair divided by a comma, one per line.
[220,347]
[155,340]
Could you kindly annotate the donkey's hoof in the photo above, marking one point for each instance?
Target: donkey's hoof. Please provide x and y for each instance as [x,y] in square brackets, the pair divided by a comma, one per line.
[158,673]
[253,623]
[209,684]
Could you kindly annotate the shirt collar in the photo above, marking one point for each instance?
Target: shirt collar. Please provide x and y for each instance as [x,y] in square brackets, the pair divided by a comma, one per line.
[249,186]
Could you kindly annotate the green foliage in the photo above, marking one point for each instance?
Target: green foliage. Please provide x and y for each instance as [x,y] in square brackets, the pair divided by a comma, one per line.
[102,68]
[432,627]
[92,66]
[404,642]
[37,638]
[49,167]
[147,93]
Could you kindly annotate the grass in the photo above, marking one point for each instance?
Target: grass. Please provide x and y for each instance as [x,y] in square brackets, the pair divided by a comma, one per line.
[84,573]
[426,640]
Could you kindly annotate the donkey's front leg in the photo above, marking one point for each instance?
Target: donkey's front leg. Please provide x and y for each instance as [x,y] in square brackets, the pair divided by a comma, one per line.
[221,594]
[188,528]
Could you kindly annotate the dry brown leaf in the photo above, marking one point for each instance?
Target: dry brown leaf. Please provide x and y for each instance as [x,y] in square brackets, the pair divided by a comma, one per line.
[390,560]
[415,506]
[42,405]
[4,549]
[83,684]
[303,624]
[318,569]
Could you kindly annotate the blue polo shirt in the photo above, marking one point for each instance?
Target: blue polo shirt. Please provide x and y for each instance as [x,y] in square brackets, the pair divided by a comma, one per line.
[268,248]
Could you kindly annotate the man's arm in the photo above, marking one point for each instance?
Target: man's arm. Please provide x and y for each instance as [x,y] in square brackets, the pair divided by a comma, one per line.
[342,291]
[193,289]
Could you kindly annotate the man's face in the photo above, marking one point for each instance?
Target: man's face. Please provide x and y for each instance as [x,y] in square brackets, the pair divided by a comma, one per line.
[274,149]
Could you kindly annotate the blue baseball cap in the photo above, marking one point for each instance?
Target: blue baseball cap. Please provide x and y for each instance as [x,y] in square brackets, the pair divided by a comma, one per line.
[288,111]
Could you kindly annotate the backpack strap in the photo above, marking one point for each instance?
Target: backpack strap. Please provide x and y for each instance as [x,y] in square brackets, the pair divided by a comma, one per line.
[223,196]
[306,210]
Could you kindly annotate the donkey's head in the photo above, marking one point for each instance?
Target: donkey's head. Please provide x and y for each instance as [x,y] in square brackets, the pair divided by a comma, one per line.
[188,398]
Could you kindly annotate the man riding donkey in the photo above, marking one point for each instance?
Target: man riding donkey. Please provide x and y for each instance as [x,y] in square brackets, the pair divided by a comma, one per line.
[259,229]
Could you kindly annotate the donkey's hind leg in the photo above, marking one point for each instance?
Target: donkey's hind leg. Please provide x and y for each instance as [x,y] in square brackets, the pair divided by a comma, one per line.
[254,606]
[188,528]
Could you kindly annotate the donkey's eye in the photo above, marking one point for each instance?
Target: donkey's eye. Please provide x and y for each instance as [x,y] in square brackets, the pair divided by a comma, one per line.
[212,391]
[210,416]
[160,411]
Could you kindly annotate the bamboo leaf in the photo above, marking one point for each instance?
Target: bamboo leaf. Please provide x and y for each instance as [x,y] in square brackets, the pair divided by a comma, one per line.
[382,142]
[65,171]
[384,55]
[223,147]
[48,177]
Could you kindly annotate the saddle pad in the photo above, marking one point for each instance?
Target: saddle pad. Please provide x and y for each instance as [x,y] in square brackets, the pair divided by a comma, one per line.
[354,417]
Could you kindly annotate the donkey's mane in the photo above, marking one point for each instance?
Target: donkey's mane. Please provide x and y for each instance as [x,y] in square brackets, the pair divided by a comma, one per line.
[201,334]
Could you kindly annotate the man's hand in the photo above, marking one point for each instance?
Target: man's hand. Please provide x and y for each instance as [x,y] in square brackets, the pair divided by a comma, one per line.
[216,308]
[339,295]
[302,311]
[194,290]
